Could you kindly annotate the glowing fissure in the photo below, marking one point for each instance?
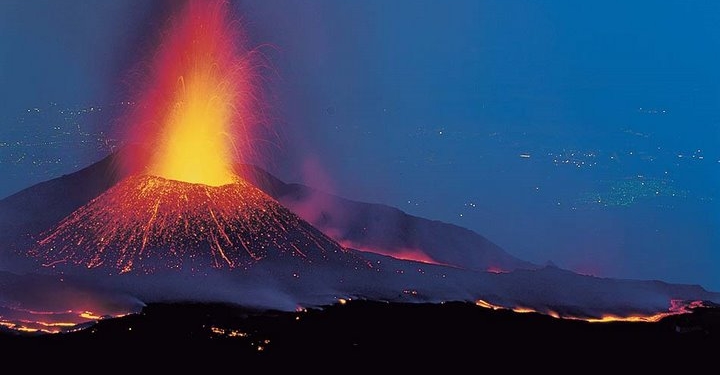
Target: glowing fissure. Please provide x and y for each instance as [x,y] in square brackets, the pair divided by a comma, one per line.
[677,307]
[50,321]
[415,255]
[196,111]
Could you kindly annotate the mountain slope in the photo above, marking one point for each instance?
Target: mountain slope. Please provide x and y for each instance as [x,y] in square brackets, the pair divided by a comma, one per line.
[363,226]
[386,230]
[147,223]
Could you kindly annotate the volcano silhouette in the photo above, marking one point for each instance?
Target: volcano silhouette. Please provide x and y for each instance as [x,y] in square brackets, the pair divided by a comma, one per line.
[33,214]
[148,223]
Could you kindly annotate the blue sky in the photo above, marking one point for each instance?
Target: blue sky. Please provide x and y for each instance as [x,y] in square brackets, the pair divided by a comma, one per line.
[511,118]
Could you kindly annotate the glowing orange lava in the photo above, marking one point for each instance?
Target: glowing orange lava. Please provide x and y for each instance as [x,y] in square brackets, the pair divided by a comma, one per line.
[677,307]
[150,223]
[196,113]
[50,321]
[416,255]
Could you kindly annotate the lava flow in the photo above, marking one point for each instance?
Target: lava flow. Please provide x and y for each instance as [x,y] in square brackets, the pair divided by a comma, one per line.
[677,307]
[48,321]
[415,255]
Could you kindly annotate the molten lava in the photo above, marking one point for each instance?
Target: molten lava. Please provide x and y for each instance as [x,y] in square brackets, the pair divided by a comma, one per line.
[49,321]
[415,255]
[150,223]
[196,112]
[183,207]
[677,307]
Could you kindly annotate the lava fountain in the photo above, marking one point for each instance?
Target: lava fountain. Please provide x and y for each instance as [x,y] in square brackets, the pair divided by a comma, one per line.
[199,107]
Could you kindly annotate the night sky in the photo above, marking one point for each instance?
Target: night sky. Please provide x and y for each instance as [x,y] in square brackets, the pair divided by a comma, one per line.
[582,133]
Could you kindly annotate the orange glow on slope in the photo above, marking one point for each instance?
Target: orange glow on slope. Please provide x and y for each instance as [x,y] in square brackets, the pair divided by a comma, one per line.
[677,307]
[494,269]
[196,113]
[404,253]
[412,254]
[50,321]
[149,223]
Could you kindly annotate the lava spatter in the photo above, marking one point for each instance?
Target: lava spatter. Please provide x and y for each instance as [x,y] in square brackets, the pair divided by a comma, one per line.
[149,223]
[199,105]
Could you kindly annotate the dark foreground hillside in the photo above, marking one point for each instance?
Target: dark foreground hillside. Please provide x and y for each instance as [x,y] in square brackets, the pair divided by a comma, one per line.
[457,334]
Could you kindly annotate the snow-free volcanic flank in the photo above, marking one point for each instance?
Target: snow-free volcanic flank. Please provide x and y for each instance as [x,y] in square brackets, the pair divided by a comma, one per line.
[147,223]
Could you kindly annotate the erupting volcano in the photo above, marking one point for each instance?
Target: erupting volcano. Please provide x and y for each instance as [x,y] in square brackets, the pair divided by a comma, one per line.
[189,209]
[179,222]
